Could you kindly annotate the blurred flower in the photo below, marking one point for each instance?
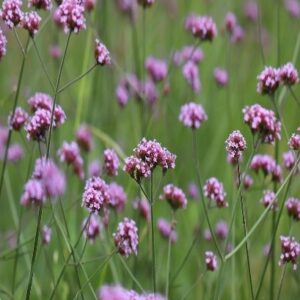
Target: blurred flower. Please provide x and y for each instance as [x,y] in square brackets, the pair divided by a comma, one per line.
[290,250]
[251,10]
[17,120]
[214,190]
[92,227]
[11,12]
[248,181]
[146,3]
[191,75]
[33,193]
[94,168]
[174,196]
[269,198]
[221,76]
[193,191]
[294,141]
[268,81]
[3,42]
[288,160]
[221,230]
[111,162]
[166,230]
[117,197]
[192,115]
[55,51]
[84,138]
[293,8]
[211,261]
[40,4]
[293,207]
[143,207]
[101,54]
[230,21]
[46,235]
[40,100]
[89,5]
[156,68]
[188,53]
[237,34]
[15,153]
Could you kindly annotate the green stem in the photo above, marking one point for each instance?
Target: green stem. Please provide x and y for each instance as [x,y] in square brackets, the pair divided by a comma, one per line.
[281,282]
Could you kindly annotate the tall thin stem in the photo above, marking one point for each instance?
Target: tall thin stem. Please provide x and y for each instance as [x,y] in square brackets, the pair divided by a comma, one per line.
[152,234]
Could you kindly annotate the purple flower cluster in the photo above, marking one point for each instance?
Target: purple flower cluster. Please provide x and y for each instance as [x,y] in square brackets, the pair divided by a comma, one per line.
[214,190]
[70,16]
[117,197]
[17,120]
[211,261]
[289,160]
[156,68]
[92,227]
[221,230]
[143,207]
[31,22]
[192,115]
[188,53]
[294,141]
[202,27]
[3,42]
[235,145]
[166,230]
[290,250]
[70,154]
[111,162]
[191,75]
[40,4]
[126,237]
[193,190]
[288,74]
[293,8]
[251,10]
[94,168]
[102,55]
[175,196]
[293,207]
[84,138]
[11,12]
[95,195]
[269,199]
[234,30]
[263,122]
[221,76]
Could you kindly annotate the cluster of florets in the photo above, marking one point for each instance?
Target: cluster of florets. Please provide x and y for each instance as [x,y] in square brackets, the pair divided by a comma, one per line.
[290,250]
[293,207]
[47,181]
[289,160]
[191,75]
[156,68]
[38,124]
[94,168]
[269,199]
[70,16]
[188,53]
[84,138]
[92,227]
[127,6]
[126,237]
[251,10]
[262,122]
[147,156]
[3,42]
[211,261]
[294,141]
[267,165]
[111,162]
[17,119]
[247,181]
[31,22]
[166,230]
[270,78]
[235,31]
[143,207]
[221,230]
[174,196]
[102,55]
[202,27]
[193,191]
[118,196]
[95,195]
[70,154]
[40,4]
[117,292]
[293,8]
[192,115]
[221,76]
[235,145]
[11,12]
[214,190]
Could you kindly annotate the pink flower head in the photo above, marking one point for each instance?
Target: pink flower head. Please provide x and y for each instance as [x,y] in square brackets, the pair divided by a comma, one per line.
[84,138]
[101,54]
[248,181]
[31,22]
[293,207]
[89,5]
[153,154]
[269,199]
[126,237]
[221,230]
[33,193]
[221,76]
[293,8]
[143,207]
[111,162]
[55,51]
[175,196]
[50,176]
[156,68]
[263,122]
[15,153]
[122,95]
[214,190]
[40,4]
[207,235]
[294,141]
[70,16]
[166,230]
[193,190]
[237,34]
[3,42]
[268,81]
[202,27]
[94,169]
[188,53]
[118,197]
[46,235]
[95,195]
[251,10]
[148,89]
[40,100]
[146,3]
[114,292]
[235,145]
[288,74]
[17,119]
[192,115]
[230,21]
[11,12]
[38,125]
[288,160]
[92,227]
[136,168]
[290,250]
[191,75]
[211,261]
